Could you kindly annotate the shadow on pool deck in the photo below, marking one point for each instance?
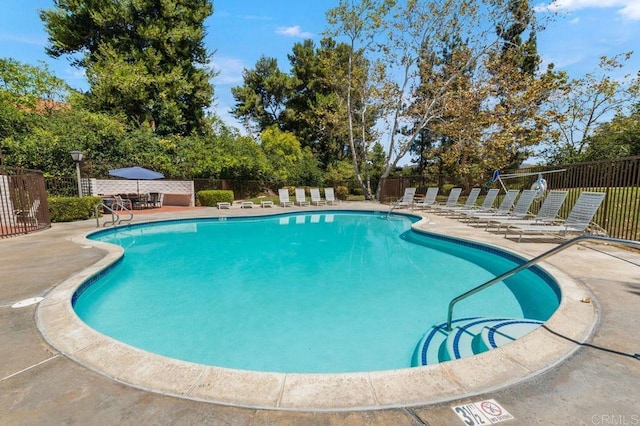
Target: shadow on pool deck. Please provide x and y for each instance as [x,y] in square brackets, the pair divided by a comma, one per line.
[41,386]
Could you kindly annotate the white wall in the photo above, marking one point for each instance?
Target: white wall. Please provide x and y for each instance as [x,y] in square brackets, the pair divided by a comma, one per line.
[180,191]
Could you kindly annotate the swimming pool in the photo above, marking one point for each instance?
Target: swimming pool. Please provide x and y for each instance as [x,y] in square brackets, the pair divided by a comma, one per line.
[359,289]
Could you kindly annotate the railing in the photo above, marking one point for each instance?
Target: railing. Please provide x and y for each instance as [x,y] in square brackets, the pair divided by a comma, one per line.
[532,262]
[23,202]
[115,217]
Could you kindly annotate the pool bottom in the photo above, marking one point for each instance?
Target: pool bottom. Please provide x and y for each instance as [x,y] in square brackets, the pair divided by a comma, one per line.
[531,355]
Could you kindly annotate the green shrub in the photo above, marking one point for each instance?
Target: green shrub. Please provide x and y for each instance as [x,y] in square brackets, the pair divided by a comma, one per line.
[69,209]
[342,192]
[211,197]
[358,191]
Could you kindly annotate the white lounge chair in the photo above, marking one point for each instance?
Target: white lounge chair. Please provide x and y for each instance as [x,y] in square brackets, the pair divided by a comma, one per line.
[547,214]
[30,215]
[283,195]
[429,198]
[504,209]
[301,198]
[315,197]
[520,210]
[577,221]
[469,204]
[486,206]
[329,196]
[407,199]
[452,200]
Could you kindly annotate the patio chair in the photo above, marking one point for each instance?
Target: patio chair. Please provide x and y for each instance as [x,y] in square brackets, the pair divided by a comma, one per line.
[503,208]
[547,214]
[301,198]
[452,200]
[154,200]
[486,205]
[469,204]
[577,221]
[429,198]
[329,196]
[316,198]
[283,195]
[520,210]
[407,198]
[30,215]
[121,203]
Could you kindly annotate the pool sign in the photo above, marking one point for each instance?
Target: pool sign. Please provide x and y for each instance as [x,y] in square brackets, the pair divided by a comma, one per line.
[482,413]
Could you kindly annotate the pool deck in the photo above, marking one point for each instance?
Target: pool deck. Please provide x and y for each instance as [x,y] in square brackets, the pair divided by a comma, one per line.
[595,379]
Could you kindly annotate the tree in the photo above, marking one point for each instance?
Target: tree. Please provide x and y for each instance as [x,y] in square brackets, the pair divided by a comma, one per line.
[581,105]
[315,111]
[617,138]
[261,101]
[414,33]
[24,90]
[284,154]
[143,58]
[360,24]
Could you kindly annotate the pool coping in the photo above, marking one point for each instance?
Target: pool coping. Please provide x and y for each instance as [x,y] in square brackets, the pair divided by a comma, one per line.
[540,350]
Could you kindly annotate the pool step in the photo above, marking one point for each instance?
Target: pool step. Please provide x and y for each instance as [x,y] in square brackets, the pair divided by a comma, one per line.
[469,336]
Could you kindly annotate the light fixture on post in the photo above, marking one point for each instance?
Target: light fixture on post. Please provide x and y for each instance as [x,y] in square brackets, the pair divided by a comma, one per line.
[77,157]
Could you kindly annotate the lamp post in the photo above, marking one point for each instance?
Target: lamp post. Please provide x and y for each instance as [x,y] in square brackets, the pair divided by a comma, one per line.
[77,157]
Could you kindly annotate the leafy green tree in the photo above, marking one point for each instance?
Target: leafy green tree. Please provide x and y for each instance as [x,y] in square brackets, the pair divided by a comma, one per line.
[261,100]
[26,93]
[583,104]
[522,53]
[315,110]
[143,58]
[47,144]
[340,173]
[309,172]
[617,138]
[242,158]
[284,154]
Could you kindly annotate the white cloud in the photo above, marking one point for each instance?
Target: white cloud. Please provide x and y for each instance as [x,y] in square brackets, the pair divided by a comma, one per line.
[631,11]
[294,31]
[574,21]
[628,8]
[229,70]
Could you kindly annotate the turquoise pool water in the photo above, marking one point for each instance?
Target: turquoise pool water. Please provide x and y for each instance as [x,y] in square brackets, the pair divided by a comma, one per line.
[308,293]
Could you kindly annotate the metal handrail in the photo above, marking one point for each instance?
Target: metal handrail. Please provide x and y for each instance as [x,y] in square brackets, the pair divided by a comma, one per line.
[115,217]
[532,262]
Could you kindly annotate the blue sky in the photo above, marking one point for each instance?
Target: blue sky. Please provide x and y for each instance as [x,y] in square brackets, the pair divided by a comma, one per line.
[240,31]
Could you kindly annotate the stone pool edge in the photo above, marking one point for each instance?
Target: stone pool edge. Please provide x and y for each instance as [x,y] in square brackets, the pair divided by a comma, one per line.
[547,346]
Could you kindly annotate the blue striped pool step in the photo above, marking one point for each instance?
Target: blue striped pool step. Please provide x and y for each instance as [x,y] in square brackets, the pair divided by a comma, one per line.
[469,336]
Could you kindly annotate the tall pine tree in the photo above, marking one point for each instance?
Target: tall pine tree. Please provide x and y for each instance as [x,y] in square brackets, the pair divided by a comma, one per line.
[143,58]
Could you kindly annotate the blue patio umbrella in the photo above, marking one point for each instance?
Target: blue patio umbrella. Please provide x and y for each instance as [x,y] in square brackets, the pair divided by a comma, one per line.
[136,173]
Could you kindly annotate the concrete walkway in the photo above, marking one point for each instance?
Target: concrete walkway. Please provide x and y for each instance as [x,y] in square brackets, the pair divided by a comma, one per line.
[598,384]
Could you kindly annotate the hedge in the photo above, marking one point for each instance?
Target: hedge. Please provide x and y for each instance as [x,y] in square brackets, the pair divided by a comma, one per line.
[211,197]
[68,209]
